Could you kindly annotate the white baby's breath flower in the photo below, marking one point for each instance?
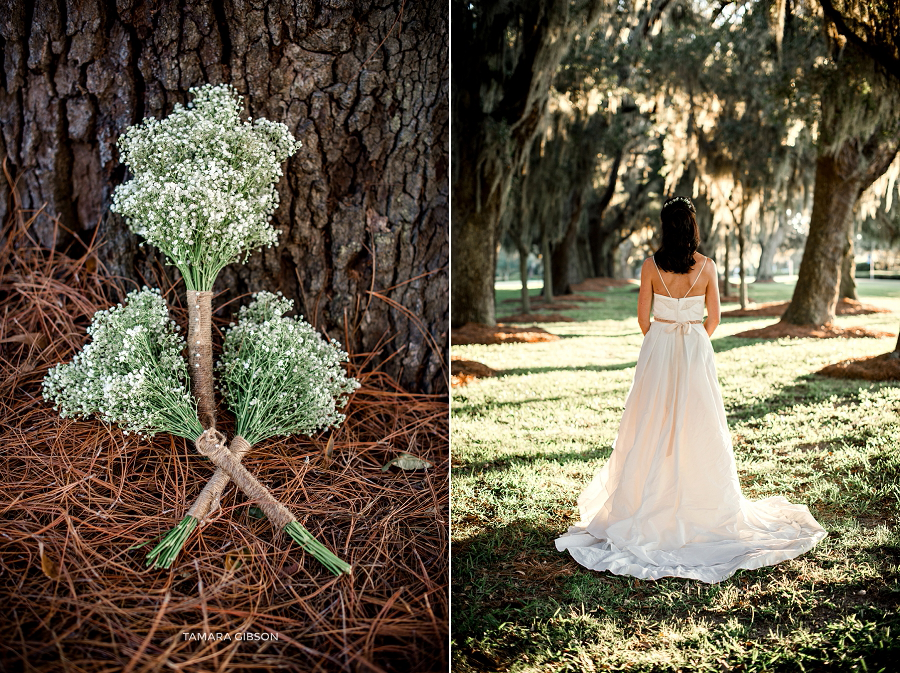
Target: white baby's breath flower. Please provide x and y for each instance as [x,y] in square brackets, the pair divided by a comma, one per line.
[203,189]
[278,375]
[131,373]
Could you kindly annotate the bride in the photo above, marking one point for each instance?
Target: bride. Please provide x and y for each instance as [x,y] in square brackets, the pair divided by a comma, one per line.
[668,502]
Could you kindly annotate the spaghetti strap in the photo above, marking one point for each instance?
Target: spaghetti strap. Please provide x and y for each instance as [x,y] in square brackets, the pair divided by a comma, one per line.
[695,279]
[660,276]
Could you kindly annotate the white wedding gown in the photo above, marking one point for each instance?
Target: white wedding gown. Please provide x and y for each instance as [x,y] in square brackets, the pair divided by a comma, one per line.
[668,502]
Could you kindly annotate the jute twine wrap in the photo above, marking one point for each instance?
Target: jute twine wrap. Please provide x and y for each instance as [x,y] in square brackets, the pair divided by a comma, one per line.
[200,353]
[208,500]
[212,445]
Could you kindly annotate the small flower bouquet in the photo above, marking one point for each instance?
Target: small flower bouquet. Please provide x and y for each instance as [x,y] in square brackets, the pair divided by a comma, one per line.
[203,192]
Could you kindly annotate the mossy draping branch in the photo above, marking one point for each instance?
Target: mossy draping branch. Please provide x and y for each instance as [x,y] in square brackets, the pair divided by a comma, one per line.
[873,27]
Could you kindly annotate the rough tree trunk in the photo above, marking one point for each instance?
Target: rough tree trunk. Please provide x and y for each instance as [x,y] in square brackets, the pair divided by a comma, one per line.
[838,186]
[848,270]
[545,259]
[562,254]
[365,196]
[523,275]
[765,270]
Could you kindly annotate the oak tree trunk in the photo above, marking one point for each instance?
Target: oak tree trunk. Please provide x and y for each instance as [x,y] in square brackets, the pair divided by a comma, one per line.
[848,270]
[770,246]
[523,275]
[545,259]
[837,189]
[563,253]
[363,202]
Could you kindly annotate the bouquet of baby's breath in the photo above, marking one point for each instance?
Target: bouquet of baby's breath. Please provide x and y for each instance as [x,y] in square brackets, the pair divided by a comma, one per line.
[132,373]
[279,377]
[203,191]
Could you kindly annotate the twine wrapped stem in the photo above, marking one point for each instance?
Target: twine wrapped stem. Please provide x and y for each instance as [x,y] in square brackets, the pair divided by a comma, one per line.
[212,445]
[208,500]
[200,353]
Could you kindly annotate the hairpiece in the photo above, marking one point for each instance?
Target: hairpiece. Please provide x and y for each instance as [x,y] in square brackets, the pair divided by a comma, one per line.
[681,201]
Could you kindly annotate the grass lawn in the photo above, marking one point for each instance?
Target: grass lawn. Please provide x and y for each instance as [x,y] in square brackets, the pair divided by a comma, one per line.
[526,443]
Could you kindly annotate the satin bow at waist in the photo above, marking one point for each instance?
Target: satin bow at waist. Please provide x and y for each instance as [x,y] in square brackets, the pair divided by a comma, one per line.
[683,326]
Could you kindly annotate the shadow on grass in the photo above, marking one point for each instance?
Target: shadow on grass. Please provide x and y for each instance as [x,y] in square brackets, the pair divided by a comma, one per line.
[476,410]
[806,390]
[516,598]
[519,371]
[509,460]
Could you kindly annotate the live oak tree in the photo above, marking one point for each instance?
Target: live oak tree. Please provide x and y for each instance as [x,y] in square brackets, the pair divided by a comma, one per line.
[860,137]
[505,56]
[364,202]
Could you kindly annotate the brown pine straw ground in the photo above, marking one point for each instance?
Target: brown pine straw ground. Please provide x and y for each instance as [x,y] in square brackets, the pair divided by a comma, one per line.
[85,493]
[477,333]
[781,330]
[463,372]
[539,299]
[601,284]
[885,367]
[774,309]
[535,318]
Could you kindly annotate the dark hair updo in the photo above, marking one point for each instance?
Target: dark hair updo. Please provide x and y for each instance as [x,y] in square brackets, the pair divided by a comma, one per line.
[680,236]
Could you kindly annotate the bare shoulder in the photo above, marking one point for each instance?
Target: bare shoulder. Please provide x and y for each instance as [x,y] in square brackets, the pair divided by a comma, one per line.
[707,263]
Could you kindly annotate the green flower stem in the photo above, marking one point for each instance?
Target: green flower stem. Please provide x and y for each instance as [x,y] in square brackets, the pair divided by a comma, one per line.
[166,551]
[319,551]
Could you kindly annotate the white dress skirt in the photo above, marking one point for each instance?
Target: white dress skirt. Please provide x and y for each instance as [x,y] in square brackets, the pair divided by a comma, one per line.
[668,502]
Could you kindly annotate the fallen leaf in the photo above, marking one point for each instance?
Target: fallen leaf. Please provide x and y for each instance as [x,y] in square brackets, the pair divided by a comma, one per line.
[48,565]
[235,559]
[255,512]
[329,452]
[406,461]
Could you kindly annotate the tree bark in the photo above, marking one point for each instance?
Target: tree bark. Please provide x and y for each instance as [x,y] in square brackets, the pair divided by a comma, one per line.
[561,255]
[363,202]
[523,275]
[765,270]
[840,179]
[545,259]
[848,270]
[816,293]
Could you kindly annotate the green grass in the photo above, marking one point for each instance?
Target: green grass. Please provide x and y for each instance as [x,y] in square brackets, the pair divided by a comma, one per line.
[526,443]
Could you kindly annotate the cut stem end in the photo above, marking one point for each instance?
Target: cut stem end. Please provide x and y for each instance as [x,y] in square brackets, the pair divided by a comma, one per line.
[168,550]
[319,551]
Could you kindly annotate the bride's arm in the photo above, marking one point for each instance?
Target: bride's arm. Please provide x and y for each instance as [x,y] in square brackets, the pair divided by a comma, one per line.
[645,297]
[713,310]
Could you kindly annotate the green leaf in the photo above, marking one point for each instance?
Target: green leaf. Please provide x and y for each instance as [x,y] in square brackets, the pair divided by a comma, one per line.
[255,512]
[406,461]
